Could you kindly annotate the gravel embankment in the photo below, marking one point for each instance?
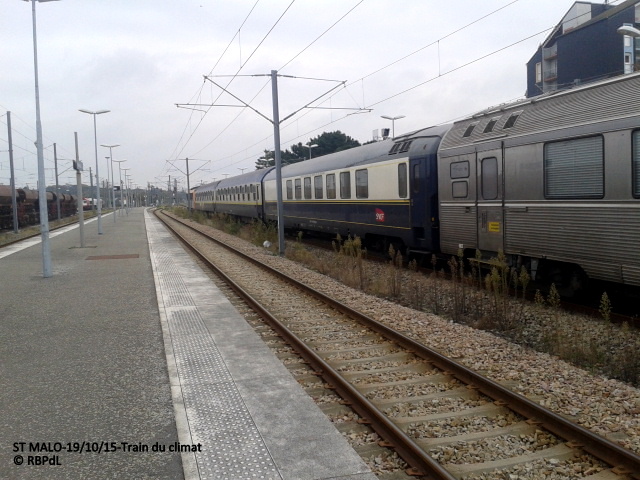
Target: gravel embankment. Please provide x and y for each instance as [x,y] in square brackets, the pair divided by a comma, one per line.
[607,407]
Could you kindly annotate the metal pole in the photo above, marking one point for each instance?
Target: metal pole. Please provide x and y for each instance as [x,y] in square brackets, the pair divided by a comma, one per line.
[93,205]
[108,194]
[188,189]
[120,174]
[14,201]
[113,189]
[55,163]
[42,187]
[79,194]
[276,140]
[95,142]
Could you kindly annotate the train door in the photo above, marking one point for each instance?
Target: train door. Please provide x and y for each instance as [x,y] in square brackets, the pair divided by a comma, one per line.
[417,195]
[490,200]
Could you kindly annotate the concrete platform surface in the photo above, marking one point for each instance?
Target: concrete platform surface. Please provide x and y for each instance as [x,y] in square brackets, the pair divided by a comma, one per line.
[129,354]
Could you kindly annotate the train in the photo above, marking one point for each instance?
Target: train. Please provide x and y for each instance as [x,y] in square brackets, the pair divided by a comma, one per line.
[552,182]
[28,206]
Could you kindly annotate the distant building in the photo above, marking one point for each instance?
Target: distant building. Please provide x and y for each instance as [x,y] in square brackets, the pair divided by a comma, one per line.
[586,46]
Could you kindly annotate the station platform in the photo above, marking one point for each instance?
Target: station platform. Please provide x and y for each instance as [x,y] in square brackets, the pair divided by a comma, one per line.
[130,363]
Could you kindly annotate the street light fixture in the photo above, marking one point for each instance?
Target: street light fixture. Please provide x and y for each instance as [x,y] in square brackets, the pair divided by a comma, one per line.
[629,30]
[393,123]
[312,145]
[95,141]
[42,186]
[113,181]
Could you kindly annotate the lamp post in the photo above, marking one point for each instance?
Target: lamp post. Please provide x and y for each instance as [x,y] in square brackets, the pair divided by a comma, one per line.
[126,208]
[393,123]
[120,175]
[113,180]
[311,145]
[95,141]
[42,186]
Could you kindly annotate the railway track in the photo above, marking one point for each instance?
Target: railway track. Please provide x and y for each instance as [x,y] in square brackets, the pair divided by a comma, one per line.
[445,420]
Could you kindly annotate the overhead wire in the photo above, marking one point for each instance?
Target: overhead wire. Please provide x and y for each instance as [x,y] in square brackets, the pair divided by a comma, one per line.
[237,72]
[197,94]
[279,69]
[362,78]
[441,74]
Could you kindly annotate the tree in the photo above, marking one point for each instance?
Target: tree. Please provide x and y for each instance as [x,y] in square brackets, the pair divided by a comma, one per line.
[268,159]
[327,142]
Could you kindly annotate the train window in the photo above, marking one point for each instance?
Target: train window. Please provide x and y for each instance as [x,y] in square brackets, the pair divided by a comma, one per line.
[395,148]
[317,186]
[362,184]
[459,169]
[405,146]
[307,188]
[402,180]
[331,185]
[574,168]
[298,186]
[345,184]
[460,189]
[469,130]
[416,178]
[289,190]
[636,163]
[511,121]
[489,172]
[491,124]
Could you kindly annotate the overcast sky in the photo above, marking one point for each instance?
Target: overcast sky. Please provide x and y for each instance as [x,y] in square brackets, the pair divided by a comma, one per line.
[139,58]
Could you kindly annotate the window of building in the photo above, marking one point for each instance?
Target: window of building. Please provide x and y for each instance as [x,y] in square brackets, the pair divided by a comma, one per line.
[317,186]
[298,187]
[574,168]
[345,185]
[539,72]
[460,189]
[331,185]
[402,180]
[489,173]
[307,188]
[636,163]
[289,189]
[459,169]
[362,183]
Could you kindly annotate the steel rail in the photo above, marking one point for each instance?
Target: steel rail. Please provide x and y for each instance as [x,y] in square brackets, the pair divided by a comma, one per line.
[413,454]
[624,461]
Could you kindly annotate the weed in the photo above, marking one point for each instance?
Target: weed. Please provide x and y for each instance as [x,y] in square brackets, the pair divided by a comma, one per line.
[605,307]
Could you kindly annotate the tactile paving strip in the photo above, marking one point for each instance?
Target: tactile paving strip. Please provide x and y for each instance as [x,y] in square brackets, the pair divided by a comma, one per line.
[232,447]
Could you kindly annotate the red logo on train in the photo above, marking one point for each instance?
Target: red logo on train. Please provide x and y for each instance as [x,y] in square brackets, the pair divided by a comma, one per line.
[379,215]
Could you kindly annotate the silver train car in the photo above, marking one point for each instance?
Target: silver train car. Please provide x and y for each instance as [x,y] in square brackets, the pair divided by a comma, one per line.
[553,181]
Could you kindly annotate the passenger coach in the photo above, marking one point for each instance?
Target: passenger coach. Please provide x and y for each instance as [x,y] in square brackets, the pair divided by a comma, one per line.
[553,181]
[239,196]
[384,192]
